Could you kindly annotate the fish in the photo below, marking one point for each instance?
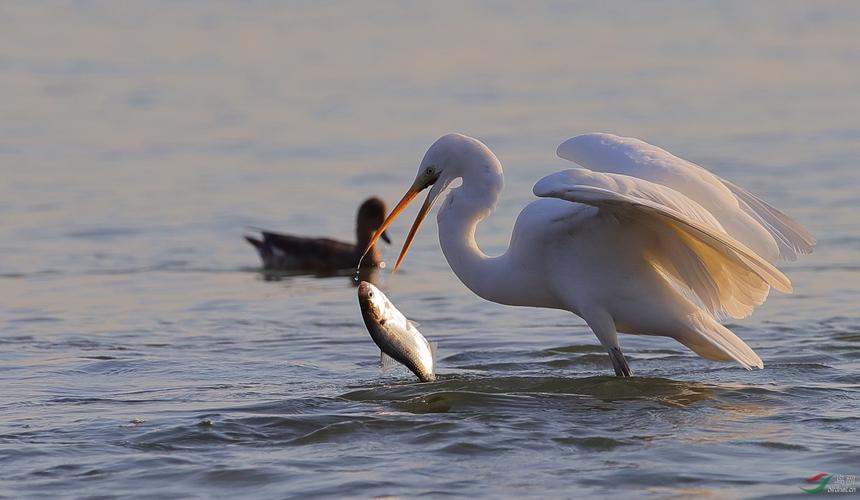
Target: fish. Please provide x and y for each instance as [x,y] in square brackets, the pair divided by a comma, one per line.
[397,337]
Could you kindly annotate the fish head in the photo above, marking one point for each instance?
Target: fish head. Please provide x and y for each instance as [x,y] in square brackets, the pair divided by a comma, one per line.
[372,301]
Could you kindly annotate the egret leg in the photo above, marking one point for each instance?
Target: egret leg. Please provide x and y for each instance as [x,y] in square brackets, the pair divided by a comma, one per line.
[619,362]
[603,326]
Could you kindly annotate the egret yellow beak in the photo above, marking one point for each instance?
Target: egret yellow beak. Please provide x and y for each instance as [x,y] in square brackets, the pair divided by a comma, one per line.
[410,195]
[422,213]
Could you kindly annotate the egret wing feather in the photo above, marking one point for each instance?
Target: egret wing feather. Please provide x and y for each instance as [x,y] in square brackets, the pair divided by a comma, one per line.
[692,249]
[748,219]
[789,234]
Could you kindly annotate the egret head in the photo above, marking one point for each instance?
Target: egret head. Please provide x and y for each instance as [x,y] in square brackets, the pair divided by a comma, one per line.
[443,162]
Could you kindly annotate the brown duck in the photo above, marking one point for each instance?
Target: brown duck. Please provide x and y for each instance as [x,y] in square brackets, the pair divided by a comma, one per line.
[285,252]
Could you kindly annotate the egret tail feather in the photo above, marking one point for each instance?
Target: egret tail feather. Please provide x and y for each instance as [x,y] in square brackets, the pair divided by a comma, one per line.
[711,340]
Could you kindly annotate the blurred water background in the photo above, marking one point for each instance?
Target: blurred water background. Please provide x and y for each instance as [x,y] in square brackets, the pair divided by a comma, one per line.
[141,354]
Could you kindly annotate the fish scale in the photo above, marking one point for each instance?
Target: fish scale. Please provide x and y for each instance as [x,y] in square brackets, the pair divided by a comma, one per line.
[395,335]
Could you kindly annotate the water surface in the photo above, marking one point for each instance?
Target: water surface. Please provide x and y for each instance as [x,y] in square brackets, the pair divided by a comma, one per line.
[141,354]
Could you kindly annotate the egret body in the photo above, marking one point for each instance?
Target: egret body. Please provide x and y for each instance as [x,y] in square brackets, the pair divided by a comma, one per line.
[633,240]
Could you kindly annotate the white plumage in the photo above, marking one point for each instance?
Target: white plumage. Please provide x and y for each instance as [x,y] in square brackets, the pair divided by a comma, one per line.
[635,240]
[753,222]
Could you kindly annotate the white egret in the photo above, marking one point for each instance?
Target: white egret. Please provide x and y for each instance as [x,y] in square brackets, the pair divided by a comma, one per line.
[634,240]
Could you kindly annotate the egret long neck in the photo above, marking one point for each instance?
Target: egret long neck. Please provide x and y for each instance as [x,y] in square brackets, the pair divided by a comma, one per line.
[462,210]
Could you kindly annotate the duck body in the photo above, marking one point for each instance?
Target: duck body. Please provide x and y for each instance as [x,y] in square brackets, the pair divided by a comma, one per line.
[287,252]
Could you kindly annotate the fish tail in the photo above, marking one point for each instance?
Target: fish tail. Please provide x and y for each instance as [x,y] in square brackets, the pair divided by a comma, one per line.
[433,347]
[263,249]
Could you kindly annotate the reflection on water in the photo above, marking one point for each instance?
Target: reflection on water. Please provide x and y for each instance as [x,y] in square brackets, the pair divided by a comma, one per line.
[450,391]
[369,274]
[141,348]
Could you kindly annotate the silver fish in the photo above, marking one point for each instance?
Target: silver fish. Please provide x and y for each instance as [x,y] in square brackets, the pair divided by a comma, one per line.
[395,335]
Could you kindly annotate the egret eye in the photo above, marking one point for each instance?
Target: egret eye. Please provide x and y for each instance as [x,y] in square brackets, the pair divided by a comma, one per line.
[430,171]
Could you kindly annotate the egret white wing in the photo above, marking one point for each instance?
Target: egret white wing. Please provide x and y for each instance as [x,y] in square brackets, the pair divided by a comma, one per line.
[791,237]
[693,250]
[759,226]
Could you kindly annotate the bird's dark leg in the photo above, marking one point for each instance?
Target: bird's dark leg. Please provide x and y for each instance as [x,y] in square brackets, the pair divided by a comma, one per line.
[603,326]
[622,369]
